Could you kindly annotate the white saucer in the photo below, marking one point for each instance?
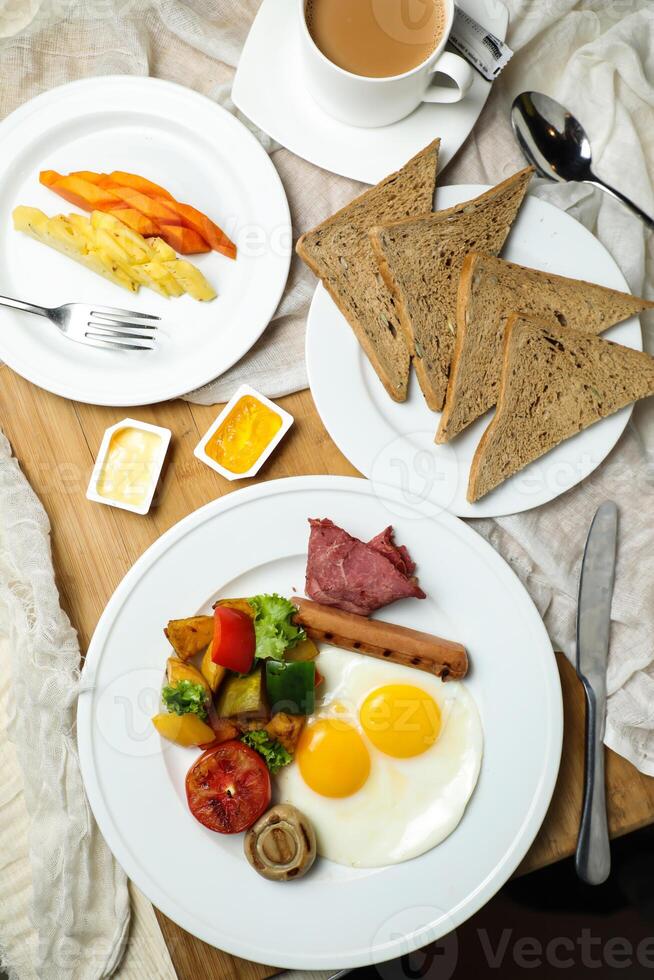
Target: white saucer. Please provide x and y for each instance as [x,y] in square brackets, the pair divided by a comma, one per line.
[270,91]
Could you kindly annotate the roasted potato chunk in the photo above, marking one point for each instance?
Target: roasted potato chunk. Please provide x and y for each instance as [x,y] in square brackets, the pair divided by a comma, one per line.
[304,650]
[189,636]
[177,670]
[241,604]
[212,673]
[224,730]
[286,729]
[243,697]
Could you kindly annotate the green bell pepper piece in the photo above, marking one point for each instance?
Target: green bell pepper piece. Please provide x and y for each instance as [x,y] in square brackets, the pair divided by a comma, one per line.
[291,686]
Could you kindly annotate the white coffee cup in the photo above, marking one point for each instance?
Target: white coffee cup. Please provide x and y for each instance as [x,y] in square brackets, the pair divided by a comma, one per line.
[362,101]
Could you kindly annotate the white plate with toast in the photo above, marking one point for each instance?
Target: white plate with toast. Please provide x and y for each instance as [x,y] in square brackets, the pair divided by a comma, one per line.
[205,157]
[393,443]
[283,107]
[252,541]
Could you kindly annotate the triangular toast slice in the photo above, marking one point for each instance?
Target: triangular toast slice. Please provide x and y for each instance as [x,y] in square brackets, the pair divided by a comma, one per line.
[490,289]
[338,251]
[555,382]
[420,260]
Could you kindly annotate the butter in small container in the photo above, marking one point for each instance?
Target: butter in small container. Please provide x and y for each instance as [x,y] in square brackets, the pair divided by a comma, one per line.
[244,435]
[128,465]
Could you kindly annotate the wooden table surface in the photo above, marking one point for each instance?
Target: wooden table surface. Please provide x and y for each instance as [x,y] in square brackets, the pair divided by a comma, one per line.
[55,442]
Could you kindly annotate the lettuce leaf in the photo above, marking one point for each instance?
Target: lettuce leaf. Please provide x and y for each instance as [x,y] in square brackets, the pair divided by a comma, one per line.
[184,698]
[274,632]
[273,752]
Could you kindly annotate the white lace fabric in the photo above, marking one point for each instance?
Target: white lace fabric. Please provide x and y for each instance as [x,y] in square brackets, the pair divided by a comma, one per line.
[79,899]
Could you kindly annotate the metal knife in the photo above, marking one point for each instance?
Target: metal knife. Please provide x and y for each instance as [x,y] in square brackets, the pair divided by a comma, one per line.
[593,857]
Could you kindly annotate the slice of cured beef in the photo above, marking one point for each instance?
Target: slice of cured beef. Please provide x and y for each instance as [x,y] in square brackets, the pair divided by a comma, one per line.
[354,575]
[398,554]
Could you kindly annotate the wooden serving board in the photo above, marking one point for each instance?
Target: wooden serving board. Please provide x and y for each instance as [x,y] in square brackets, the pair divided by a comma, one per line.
[55,442]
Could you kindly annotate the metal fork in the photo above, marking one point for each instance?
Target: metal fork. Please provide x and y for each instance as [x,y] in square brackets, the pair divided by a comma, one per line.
[96,326]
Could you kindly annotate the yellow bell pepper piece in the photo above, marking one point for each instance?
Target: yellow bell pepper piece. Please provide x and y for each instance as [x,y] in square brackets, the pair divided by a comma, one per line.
[185,730]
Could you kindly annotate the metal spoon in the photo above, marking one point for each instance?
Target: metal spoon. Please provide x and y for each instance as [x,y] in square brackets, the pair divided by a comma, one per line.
[556,143]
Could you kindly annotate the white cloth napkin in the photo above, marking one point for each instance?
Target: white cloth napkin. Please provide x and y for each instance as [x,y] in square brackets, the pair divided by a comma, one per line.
[598,58]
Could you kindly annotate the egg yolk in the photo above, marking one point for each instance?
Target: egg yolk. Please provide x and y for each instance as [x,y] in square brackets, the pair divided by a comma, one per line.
[332,757]
[400,720]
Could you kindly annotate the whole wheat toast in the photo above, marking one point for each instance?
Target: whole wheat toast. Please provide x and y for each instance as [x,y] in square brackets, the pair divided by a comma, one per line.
[420,260]
[490,289]
[338,251]
[555,381]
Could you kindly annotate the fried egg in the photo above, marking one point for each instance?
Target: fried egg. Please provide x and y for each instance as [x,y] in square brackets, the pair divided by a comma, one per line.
[385,766]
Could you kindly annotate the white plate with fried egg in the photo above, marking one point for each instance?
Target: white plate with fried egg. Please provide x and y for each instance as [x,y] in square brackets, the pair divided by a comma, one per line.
[387,762]
[421,839]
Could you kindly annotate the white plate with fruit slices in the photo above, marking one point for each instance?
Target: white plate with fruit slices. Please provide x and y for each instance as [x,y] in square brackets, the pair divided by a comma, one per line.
[204,157]
[255,541]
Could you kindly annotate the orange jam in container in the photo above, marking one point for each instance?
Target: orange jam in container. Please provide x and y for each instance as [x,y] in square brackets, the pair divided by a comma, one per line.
[244,434]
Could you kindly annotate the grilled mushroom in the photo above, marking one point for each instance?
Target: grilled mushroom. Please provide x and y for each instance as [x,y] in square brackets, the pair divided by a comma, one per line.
[281,845]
